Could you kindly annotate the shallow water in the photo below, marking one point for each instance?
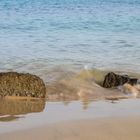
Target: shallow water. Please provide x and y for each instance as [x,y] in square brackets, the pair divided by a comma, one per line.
[55,112]
[36,36]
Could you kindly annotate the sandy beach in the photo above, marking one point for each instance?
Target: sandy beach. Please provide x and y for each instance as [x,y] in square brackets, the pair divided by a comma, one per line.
[100,129]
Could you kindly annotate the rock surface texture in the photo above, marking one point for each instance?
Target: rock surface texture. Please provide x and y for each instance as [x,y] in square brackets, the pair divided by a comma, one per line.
[114,80]
[20,84]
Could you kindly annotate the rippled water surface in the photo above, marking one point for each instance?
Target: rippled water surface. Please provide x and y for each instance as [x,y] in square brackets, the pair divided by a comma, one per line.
[37,35]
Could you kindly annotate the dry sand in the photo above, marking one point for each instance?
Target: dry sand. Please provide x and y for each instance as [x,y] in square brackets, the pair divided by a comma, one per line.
[123,128]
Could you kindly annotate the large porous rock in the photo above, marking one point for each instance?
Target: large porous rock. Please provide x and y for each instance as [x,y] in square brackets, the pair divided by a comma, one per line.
[20,84]
[114,80]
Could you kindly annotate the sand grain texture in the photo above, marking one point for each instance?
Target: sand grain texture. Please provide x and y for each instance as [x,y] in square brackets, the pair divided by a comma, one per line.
[98,129]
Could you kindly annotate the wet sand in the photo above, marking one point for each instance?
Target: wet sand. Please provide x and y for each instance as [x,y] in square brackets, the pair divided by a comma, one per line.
[120,128]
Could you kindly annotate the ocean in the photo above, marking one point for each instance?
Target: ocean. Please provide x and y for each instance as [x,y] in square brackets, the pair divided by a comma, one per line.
[40,36]
[71,45]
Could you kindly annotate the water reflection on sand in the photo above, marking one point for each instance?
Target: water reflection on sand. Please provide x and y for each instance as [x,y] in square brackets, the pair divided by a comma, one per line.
[10,109]
[24,114]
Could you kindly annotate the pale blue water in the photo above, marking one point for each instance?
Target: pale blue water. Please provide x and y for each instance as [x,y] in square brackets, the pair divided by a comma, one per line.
[38,34]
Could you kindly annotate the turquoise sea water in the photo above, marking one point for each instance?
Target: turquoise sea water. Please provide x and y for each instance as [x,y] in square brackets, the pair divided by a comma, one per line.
[38,34]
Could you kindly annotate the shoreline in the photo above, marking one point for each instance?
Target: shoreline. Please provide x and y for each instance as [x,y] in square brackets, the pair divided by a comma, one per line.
[113,128]
[38,115]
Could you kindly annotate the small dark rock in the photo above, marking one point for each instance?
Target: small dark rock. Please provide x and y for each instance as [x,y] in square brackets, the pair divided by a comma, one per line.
[20,84]
[114,80]
[133,81]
